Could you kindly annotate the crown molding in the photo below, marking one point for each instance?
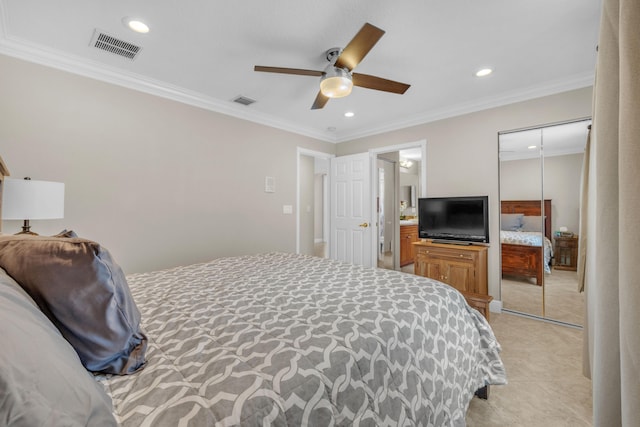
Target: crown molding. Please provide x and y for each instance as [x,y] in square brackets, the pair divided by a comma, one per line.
[22,49]
[578,81]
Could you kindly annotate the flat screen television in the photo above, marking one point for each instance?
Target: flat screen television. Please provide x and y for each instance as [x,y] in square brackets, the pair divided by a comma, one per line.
[454,219]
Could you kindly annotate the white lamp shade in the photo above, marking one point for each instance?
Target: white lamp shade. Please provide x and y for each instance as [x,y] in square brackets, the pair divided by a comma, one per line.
[28,199]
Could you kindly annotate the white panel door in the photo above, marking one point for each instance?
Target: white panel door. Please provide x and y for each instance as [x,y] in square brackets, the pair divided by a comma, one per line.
[351,230]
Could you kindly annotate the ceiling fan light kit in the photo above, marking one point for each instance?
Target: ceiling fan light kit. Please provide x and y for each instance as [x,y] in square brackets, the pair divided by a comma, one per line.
[338,79]
[336,82]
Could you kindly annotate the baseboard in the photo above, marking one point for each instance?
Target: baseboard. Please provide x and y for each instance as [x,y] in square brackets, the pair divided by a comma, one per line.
[495,306]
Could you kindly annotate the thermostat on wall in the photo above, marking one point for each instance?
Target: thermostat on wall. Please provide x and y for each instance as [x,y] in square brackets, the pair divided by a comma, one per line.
[269,184]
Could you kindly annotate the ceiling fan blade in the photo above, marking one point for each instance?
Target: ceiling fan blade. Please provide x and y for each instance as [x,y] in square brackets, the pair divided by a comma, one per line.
[281,70]
[320,101]
[359,46]
[378,83]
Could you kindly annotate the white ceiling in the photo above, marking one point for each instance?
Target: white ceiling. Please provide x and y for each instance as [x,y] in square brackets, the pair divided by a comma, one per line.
[202,52]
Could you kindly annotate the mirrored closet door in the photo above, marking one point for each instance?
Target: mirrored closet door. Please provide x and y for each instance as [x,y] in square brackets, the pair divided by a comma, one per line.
[540,175]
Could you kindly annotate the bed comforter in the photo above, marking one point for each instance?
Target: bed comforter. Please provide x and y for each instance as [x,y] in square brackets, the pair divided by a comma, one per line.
[290,340]
[529,238]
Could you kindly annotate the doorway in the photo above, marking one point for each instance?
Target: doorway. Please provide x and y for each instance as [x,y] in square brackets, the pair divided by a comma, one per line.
[362,246]
[386,212]
[312,203]
[399,180]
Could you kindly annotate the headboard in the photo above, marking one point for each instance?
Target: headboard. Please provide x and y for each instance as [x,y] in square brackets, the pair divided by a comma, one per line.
[3,172]
[530,208]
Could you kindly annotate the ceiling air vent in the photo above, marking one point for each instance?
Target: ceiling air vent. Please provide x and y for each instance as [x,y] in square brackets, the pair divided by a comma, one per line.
[244,100]
[103,41]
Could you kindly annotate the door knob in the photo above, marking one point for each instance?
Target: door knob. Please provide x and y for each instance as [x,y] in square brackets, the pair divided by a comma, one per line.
[364,225]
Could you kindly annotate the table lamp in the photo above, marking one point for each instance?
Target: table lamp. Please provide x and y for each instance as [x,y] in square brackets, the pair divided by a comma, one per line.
[27,199]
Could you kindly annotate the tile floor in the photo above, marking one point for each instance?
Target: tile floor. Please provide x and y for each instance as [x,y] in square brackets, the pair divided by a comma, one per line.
[544,368]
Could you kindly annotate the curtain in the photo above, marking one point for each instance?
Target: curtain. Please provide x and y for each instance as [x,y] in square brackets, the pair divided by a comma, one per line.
[584,199]
[612,267]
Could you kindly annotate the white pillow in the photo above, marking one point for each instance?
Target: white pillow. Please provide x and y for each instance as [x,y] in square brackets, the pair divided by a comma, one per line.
[42,381]
[511,222]
[532,223]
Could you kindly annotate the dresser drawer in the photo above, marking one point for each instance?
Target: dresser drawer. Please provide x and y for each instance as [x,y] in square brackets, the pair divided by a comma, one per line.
[451,255]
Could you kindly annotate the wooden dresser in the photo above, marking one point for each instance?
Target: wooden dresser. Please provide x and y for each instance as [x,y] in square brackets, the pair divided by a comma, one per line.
[461,266]
[408,235]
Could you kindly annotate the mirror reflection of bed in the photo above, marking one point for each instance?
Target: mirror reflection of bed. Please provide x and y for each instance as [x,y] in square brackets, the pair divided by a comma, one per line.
[541,164]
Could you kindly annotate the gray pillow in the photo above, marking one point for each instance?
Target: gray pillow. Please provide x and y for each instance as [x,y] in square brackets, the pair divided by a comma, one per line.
[79,287]
[511,222]
[532,223]
[66,233]
[42,381]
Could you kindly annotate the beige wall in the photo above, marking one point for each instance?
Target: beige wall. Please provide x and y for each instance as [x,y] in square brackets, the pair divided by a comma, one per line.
[462,152]
[409,177]
[562,180]
[157,182]
[161,183]
[521,179]
[307,199]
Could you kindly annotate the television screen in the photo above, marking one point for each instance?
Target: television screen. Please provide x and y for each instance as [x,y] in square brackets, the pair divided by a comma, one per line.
[463,219]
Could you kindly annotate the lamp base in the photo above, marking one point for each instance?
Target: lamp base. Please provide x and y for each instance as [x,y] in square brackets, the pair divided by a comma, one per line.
[26,229]
[30,233]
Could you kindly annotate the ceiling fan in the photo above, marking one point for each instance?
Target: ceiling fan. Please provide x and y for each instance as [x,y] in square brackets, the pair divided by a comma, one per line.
[338,77]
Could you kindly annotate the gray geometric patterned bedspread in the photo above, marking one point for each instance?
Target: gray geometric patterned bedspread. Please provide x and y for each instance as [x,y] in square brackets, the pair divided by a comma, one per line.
[289,340]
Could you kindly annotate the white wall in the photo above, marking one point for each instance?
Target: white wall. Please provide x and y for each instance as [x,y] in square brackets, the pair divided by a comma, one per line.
[462,152]
[157,182]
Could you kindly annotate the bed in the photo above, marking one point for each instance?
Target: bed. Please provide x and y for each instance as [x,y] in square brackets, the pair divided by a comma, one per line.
[265,339]
[526,254]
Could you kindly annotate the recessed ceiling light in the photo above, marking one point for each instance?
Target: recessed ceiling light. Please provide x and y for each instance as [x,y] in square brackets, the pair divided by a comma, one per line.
[531,147]
[349,114]
[484,72]
[136,25]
